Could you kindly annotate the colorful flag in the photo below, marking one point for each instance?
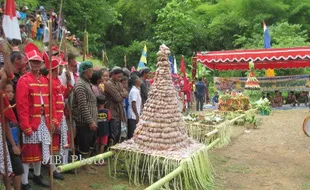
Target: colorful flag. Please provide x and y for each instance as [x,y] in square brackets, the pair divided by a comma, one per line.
[10,23]
[175,67]
[267,39]
[186,87]
[183,70]
[171,64]
[143,60]
[194,69]
[267,44]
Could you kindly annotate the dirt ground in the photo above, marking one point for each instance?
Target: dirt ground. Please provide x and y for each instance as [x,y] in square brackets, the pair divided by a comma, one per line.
[274,156]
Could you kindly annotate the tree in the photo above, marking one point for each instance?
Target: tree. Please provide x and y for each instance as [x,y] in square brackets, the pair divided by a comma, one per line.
[95,16]
[282,35]
[137,19]
[175,26]
[31,4]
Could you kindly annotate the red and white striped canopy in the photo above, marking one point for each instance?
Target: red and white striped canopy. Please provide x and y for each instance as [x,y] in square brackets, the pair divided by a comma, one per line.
[273,58]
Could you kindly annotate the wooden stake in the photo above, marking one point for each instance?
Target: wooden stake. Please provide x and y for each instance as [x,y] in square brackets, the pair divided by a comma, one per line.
[50,102]
[125,61]
[72,136]
[102,57]
[60,19]
[69,109]
[84,46]
[5,153]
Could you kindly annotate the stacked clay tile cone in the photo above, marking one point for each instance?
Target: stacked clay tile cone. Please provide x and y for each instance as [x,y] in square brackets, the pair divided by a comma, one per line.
[161,126]
[252,83]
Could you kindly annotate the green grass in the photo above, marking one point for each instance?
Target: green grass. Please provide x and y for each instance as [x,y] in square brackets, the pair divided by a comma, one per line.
[119,187]
[97,186]
[305,186]
[238,168]
[96,62]
[219,159]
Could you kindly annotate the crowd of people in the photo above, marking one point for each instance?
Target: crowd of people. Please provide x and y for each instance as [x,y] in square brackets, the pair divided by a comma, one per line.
[105,106]
[293,99]
[92,108]
[34,25]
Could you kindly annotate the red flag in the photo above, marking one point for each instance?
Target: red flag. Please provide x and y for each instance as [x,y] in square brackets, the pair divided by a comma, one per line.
[183,70]
[10,23]
[194,62]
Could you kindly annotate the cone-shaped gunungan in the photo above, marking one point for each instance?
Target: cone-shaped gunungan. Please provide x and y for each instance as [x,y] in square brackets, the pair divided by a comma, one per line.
[161,125]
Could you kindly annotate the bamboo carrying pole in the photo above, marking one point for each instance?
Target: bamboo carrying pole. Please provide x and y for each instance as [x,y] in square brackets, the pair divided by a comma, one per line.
[166,179]
[84,162]
[50,101]
[212,133]
[213,143]
[5,152]
[237,118]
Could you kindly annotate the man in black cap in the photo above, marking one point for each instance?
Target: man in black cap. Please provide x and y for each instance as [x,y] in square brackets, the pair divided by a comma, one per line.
[115,93]
[145,87]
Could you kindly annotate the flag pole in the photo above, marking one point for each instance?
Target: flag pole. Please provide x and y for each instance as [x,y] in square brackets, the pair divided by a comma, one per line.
[50,103]
[5,153]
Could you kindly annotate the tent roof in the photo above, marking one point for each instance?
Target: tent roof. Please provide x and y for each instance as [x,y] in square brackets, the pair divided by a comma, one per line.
[274,58]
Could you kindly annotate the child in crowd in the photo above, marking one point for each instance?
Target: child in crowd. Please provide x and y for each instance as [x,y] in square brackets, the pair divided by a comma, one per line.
[34,29]
[215,99]
[13,141]
[105,78]
[104,117]
[40,32]
[135,106]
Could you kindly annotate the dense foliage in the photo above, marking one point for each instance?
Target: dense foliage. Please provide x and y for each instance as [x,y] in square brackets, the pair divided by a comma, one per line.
[122,27]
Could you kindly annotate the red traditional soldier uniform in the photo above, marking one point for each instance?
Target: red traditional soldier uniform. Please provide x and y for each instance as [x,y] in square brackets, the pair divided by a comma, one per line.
[32,103]
[60,137]
[60,92]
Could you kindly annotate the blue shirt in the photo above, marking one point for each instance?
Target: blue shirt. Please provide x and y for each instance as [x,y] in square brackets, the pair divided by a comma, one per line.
[215,99]
[15,131]
[23,15]
[200,89]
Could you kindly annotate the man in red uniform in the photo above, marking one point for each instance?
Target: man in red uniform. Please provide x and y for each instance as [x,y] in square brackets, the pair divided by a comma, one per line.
[32,102]
[60,136]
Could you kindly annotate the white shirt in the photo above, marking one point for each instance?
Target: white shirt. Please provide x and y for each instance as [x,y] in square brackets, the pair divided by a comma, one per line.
[46,35]
[134,96]
[63,78]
